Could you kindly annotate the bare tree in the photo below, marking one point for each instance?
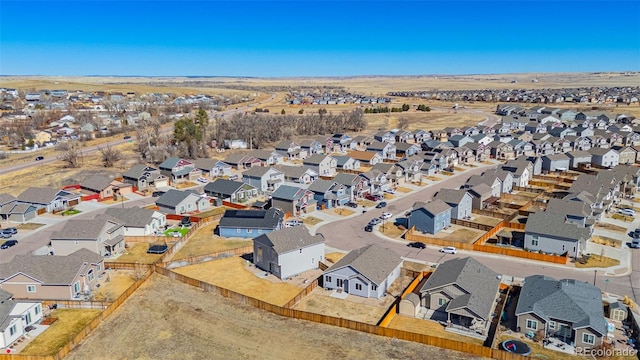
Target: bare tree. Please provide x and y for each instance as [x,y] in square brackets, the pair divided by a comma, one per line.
[70,155]
[403,122]
[110,156]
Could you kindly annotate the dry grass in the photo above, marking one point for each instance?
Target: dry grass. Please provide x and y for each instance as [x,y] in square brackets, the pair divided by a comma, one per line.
[403,189]
[467,236]
[611,227]
[603,240]
[486,220]
[351,308]
[70,323]
[343,212]
[211,212]
[334,256]
[186,184]
[232,273]
[415,266]
[597,261]
[391,230]
[366,203]
[428,327]
[310,220]
[29,226]
[433,178]
[137,253]
[205,242]
[119,282]
[111,201]
[622,217]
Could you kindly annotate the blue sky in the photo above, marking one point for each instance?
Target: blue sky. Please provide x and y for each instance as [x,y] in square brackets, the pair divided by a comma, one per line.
[316,38]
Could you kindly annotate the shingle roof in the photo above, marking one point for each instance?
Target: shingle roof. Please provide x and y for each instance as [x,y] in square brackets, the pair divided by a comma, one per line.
[315,159]
[256,171]
[293,171]
[433,207]
[363,155]
[555,157]
[342,160]
[372,261]
[206,163]
[96,183]
[553,225]
[174,197]
[136,171]
[288,192]
[6,198]
[37,195]
[263,219]
[169,163]
[321,186]
[289,239]
[573,301]
[85,229]
[223,186]
[600,151]
[346,179]
[451,196]
[131,217]
[568,207]
[480,189]
[50,270]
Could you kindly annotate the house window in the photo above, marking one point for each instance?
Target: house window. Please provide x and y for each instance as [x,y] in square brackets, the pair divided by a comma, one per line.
[340,282]
[534,240]
[259,231]
[442,301]
[249,231]
[38,309]
[12,330]
[31,288]
[588,338]
[99,267]
[532,324]
[327,278]
[77,242]
[358,286]
[374,287]
[238,230]
[90,275]
[76,288]
[552,325]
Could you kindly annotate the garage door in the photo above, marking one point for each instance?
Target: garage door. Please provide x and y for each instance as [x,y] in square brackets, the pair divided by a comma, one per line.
[42,211]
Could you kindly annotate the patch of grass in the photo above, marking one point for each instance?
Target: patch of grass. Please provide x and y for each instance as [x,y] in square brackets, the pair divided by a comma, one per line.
[185,185]
[391,230]
[414,266]
[211,212]
[343,212]
[137,252]
[622,217]
[232,273]
[29,226]
[70,323]
[403,189]
[310,220]
[463,236]
[366,203]
[119,282]
[611,227]
[205,242]
[428,327]
[70,212]
[113,201]
[603,240]
[433,178]
[598,261]
[334,256]
[182,231]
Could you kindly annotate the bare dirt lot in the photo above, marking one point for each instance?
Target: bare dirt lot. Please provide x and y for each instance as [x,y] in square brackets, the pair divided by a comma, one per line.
[166,319]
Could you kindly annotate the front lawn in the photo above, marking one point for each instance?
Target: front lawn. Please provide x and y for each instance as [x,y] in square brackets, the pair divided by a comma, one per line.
[598,261]
[70,212]
[310,220]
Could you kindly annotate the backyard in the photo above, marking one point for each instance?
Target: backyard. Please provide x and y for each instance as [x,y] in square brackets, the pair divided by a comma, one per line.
[114,284]
[233,274]
[428,327]
[136,252]
[205,242]
[352,307]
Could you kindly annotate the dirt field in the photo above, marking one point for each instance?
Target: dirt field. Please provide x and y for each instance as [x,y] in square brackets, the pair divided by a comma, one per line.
[171,320]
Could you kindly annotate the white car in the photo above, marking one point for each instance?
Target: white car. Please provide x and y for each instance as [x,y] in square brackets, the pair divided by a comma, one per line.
[448,250]
[627,212]
[202,180]
[292,223]
[390,191]
[386,216]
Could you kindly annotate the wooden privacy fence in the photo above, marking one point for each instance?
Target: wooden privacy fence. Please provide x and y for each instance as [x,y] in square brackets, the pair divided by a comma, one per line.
[490,213]
[556,259]
[147,238]
[70,304]
[208,257]
[528,189]
[116,265]
[306,291]
[450,344]
[413,235]
[393,309]
[471,224]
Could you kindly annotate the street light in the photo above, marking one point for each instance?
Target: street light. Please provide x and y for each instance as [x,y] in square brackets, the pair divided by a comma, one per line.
[606,284]
[595,274]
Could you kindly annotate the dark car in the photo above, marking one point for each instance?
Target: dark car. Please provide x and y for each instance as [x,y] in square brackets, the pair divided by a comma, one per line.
[38,158]
[186,221]
[368,228]
[381,204]
[157,193]
[9,243]
[127,137]
[351,204]
[417,245]
[636,233]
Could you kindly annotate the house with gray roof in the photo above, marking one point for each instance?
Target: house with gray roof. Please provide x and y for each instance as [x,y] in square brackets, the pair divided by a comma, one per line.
[40,277]
[15,317]
[268,157]
[288,252]
[550,233]
[297,174]
[329,193]
[324,165]
[18,212]
[182,202]
[567,309]
[578,158]
[293,200]
[430,217]
[138,221]
[482,195]
[229,190]
[48,199]
[576,212]
[604,157]
[465,290]
[459,200]
[368,272]
[556,162]
[213,168]
[102,235]
[265,179]
[356,185]
[386,149]
[143,176]
[104,187]
[250,223]
[179,170]
[344,162]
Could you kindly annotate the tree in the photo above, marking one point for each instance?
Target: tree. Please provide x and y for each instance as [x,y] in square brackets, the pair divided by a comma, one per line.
[283,112]
[322,112]
[110,156]
[403,122]
[70,155]
[301,111]
[202,121]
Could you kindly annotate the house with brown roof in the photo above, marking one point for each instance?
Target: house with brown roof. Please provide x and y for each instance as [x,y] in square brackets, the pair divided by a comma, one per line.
[104,236]
[370,158]
[368,272]
[69,277]
[104,187]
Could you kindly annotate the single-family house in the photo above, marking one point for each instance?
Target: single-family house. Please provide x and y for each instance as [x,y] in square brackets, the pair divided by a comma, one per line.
[430,217]
[101,235]
[229,190]
[482,196]
[385,136]
[465,290]
[292,149]
[16,317]
[370,158]
[297,174]
[250,223]
[367,272]
[377,180]
[241,161]
[293,200]
[404,149]
[556,162]
[460,140]
[603,157]
[182,202]
[329,193]
[567,309]
[626,154]
[142,177]
[104,187]
[268,157]
[138,221]
[356,185]
[263,178]
[324,165]
[70,277]
[48,199]
[288,252]
[578,158]
[459,200]
[179,170]
[550,233]
[348,163]
[386,149]
[311,146]
[212,167]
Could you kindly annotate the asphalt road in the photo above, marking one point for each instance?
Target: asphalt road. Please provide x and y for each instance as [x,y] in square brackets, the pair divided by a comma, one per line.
[349,234]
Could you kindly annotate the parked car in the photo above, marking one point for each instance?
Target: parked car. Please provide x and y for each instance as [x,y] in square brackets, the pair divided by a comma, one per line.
[127,137]
[627,212]
[9,243]
[202,180]
[417,245]
[371,197]
[381,204]
[386,216]
[351,204]
[635,244]
[635,233]
[448,250]
[11,230]
[389,191]
[368,228]
[38,158]
[157,193]
[375,221]
[292,223]
[234,177]
[4,234]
